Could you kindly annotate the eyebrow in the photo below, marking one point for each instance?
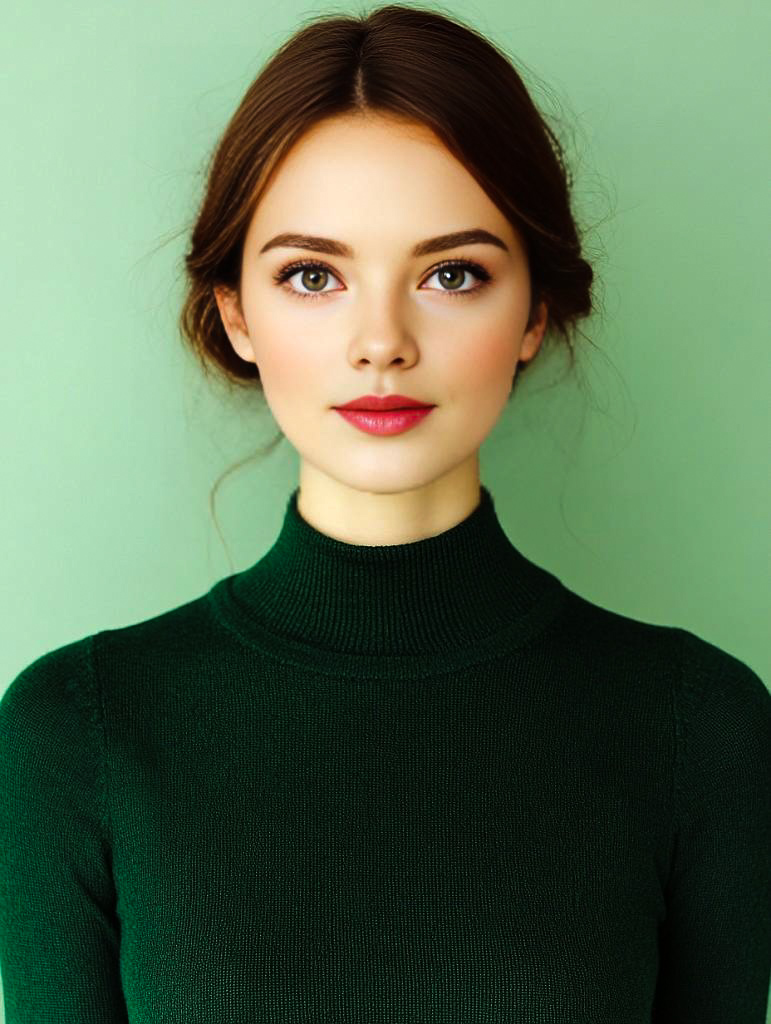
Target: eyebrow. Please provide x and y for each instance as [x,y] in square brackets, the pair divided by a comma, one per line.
[429,245]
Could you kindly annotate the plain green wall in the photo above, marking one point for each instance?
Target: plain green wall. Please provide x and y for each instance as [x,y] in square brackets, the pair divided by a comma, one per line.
[645,488]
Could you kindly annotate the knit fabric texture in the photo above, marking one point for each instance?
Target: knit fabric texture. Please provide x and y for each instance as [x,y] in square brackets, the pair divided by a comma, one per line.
[421,783]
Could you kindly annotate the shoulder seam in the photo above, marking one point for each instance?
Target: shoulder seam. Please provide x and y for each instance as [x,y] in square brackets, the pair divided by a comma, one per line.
[97,722]
[685,692]
[677,684]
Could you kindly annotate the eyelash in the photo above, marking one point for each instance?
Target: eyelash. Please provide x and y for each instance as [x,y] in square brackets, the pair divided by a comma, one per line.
[288,271]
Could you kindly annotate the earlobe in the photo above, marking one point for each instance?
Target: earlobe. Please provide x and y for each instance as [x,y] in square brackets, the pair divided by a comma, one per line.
[241,347]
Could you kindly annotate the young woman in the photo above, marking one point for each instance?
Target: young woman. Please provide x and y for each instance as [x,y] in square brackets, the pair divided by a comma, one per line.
[394,770]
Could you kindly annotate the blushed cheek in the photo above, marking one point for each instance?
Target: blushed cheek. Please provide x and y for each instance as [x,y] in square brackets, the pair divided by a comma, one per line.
[487,365]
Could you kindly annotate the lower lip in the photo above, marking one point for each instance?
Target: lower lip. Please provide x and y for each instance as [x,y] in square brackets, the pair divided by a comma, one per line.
[395,422]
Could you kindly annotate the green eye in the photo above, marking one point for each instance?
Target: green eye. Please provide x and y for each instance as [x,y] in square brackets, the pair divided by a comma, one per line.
[283,275]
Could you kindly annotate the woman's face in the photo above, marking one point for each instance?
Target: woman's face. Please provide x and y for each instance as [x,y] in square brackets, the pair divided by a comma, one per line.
[380,320]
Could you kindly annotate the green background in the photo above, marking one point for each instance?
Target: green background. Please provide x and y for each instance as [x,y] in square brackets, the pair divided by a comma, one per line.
[642,482]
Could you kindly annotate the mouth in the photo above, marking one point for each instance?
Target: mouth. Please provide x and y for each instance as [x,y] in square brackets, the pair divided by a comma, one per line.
[386,421]
[382,412]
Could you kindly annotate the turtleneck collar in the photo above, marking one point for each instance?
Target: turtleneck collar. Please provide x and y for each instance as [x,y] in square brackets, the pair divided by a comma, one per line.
[459,597]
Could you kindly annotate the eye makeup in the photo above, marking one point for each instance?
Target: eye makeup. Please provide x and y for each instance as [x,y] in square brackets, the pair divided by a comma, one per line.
[284,273]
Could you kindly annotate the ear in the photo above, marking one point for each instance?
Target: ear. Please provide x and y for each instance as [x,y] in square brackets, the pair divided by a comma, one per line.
[233,322]
[531,340]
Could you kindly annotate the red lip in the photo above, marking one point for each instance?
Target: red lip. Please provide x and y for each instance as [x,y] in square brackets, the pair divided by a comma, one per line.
[394,422]
[373,403]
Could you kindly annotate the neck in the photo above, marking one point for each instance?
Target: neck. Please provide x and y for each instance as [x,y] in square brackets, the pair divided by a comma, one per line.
[444,600]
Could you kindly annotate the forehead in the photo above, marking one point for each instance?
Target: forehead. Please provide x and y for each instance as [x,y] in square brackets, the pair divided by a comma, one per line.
[361,178]
[365,141]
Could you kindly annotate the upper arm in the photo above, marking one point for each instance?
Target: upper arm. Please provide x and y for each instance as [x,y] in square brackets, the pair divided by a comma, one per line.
[715,943]
[59,935]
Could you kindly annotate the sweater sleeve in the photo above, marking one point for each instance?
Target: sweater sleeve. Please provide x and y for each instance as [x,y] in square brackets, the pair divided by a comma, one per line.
[59,934]
[715,943]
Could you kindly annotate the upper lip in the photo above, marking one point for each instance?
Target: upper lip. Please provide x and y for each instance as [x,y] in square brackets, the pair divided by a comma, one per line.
[374,403]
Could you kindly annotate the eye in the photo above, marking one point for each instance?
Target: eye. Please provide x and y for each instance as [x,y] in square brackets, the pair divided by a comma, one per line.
[457,267]
[460,268]
[294,268]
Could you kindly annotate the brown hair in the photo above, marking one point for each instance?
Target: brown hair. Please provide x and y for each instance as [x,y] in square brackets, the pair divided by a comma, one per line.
[408,62]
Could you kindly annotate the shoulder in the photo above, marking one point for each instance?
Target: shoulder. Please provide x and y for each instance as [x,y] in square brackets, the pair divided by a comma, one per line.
[722,709]
[184,630]
[701,681]
[594,627]
[50,734]
[56,684]
[69,681]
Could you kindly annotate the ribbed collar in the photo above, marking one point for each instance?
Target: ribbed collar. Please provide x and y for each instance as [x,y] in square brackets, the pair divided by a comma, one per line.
[459,597]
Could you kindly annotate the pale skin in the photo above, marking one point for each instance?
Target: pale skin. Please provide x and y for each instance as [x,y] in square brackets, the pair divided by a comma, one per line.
[386,322]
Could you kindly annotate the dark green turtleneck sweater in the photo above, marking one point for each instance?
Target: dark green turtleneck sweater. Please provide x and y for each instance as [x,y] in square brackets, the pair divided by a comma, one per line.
[413,784]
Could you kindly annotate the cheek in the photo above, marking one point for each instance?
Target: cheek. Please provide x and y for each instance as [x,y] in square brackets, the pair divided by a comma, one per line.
[290,361]
[284,367]
[293,384]
[483,364]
